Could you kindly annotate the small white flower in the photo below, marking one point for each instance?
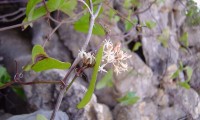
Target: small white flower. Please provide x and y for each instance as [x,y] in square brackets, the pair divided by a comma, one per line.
[108,44]
[101,68]
[115,56]
[82,53]
[109,56]
[87,58]
[90,57]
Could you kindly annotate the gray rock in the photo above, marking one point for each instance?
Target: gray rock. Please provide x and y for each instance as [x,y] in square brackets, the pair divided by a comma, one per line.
[107,96]
[32,116]
[139,78]
[54,47]
[145,110]
[4,116]
[40,97]
[14,46]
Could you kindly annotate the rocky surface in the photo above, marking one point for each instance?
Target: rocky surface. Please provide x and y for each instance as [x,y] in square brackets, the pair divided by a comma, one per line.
[60,115]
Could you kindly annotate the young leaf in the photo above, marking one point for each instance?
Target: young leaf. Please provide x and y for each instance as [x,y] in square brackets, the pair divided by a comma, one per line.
[19,91]
[49,63]
[106,80]
[40,117]
[175,74]
[189,72]
[37,50]
[91,87]
[129,99]
[181,66]
[150,24]
[184,39]
[127,4]
[4,76]
[128,25]
[184,85]
[136,46]
[164,37]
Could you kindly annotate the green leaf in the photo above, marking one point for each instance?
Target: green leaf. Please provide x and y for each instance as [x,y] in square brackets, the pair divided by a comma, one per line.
[54,4]
[91,87]
[38,13]
[127,4]
[111,13]
[116,18]
[136,46]
[175,75]
[184,39]
[150,24]
[19,91]
[41,61]
[106,80]
[37,50]
[4,76]
[129,99]
[40,117]
[164,37]
[128,25]
[30,8]
[181,66]
[82,25]
[189,72]
[49,63]
[184,85]
[68,6]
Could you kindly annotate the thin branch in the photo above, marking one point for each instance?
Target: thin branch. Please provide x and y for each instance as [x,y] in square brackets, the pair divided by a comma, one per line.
[52,32]
[60,97]
[30,83]
[91,6]
[93,17]
[76,61]
[54,20]
[120,14]
[142,11]
[13,13]
[17,25]
[13,19]
[99,8]
[86,6]
[7,84]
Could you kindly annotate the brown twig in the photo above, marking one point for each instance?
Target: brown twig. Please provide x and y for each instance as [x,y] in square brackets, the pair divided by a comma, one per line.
[29,83]
[17,25]
[52,32]
[142,11]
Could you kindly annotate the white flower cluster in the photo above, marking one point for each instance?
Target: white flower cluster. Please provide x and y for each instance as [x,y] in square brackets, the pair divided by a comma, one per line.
[88,58]
[115,56]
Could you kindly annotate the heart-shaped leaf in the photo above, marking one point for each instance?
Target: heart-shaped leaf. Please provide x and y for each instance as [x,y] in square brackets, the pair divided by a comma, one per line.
[129,99]
[41,61]
[49,63]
